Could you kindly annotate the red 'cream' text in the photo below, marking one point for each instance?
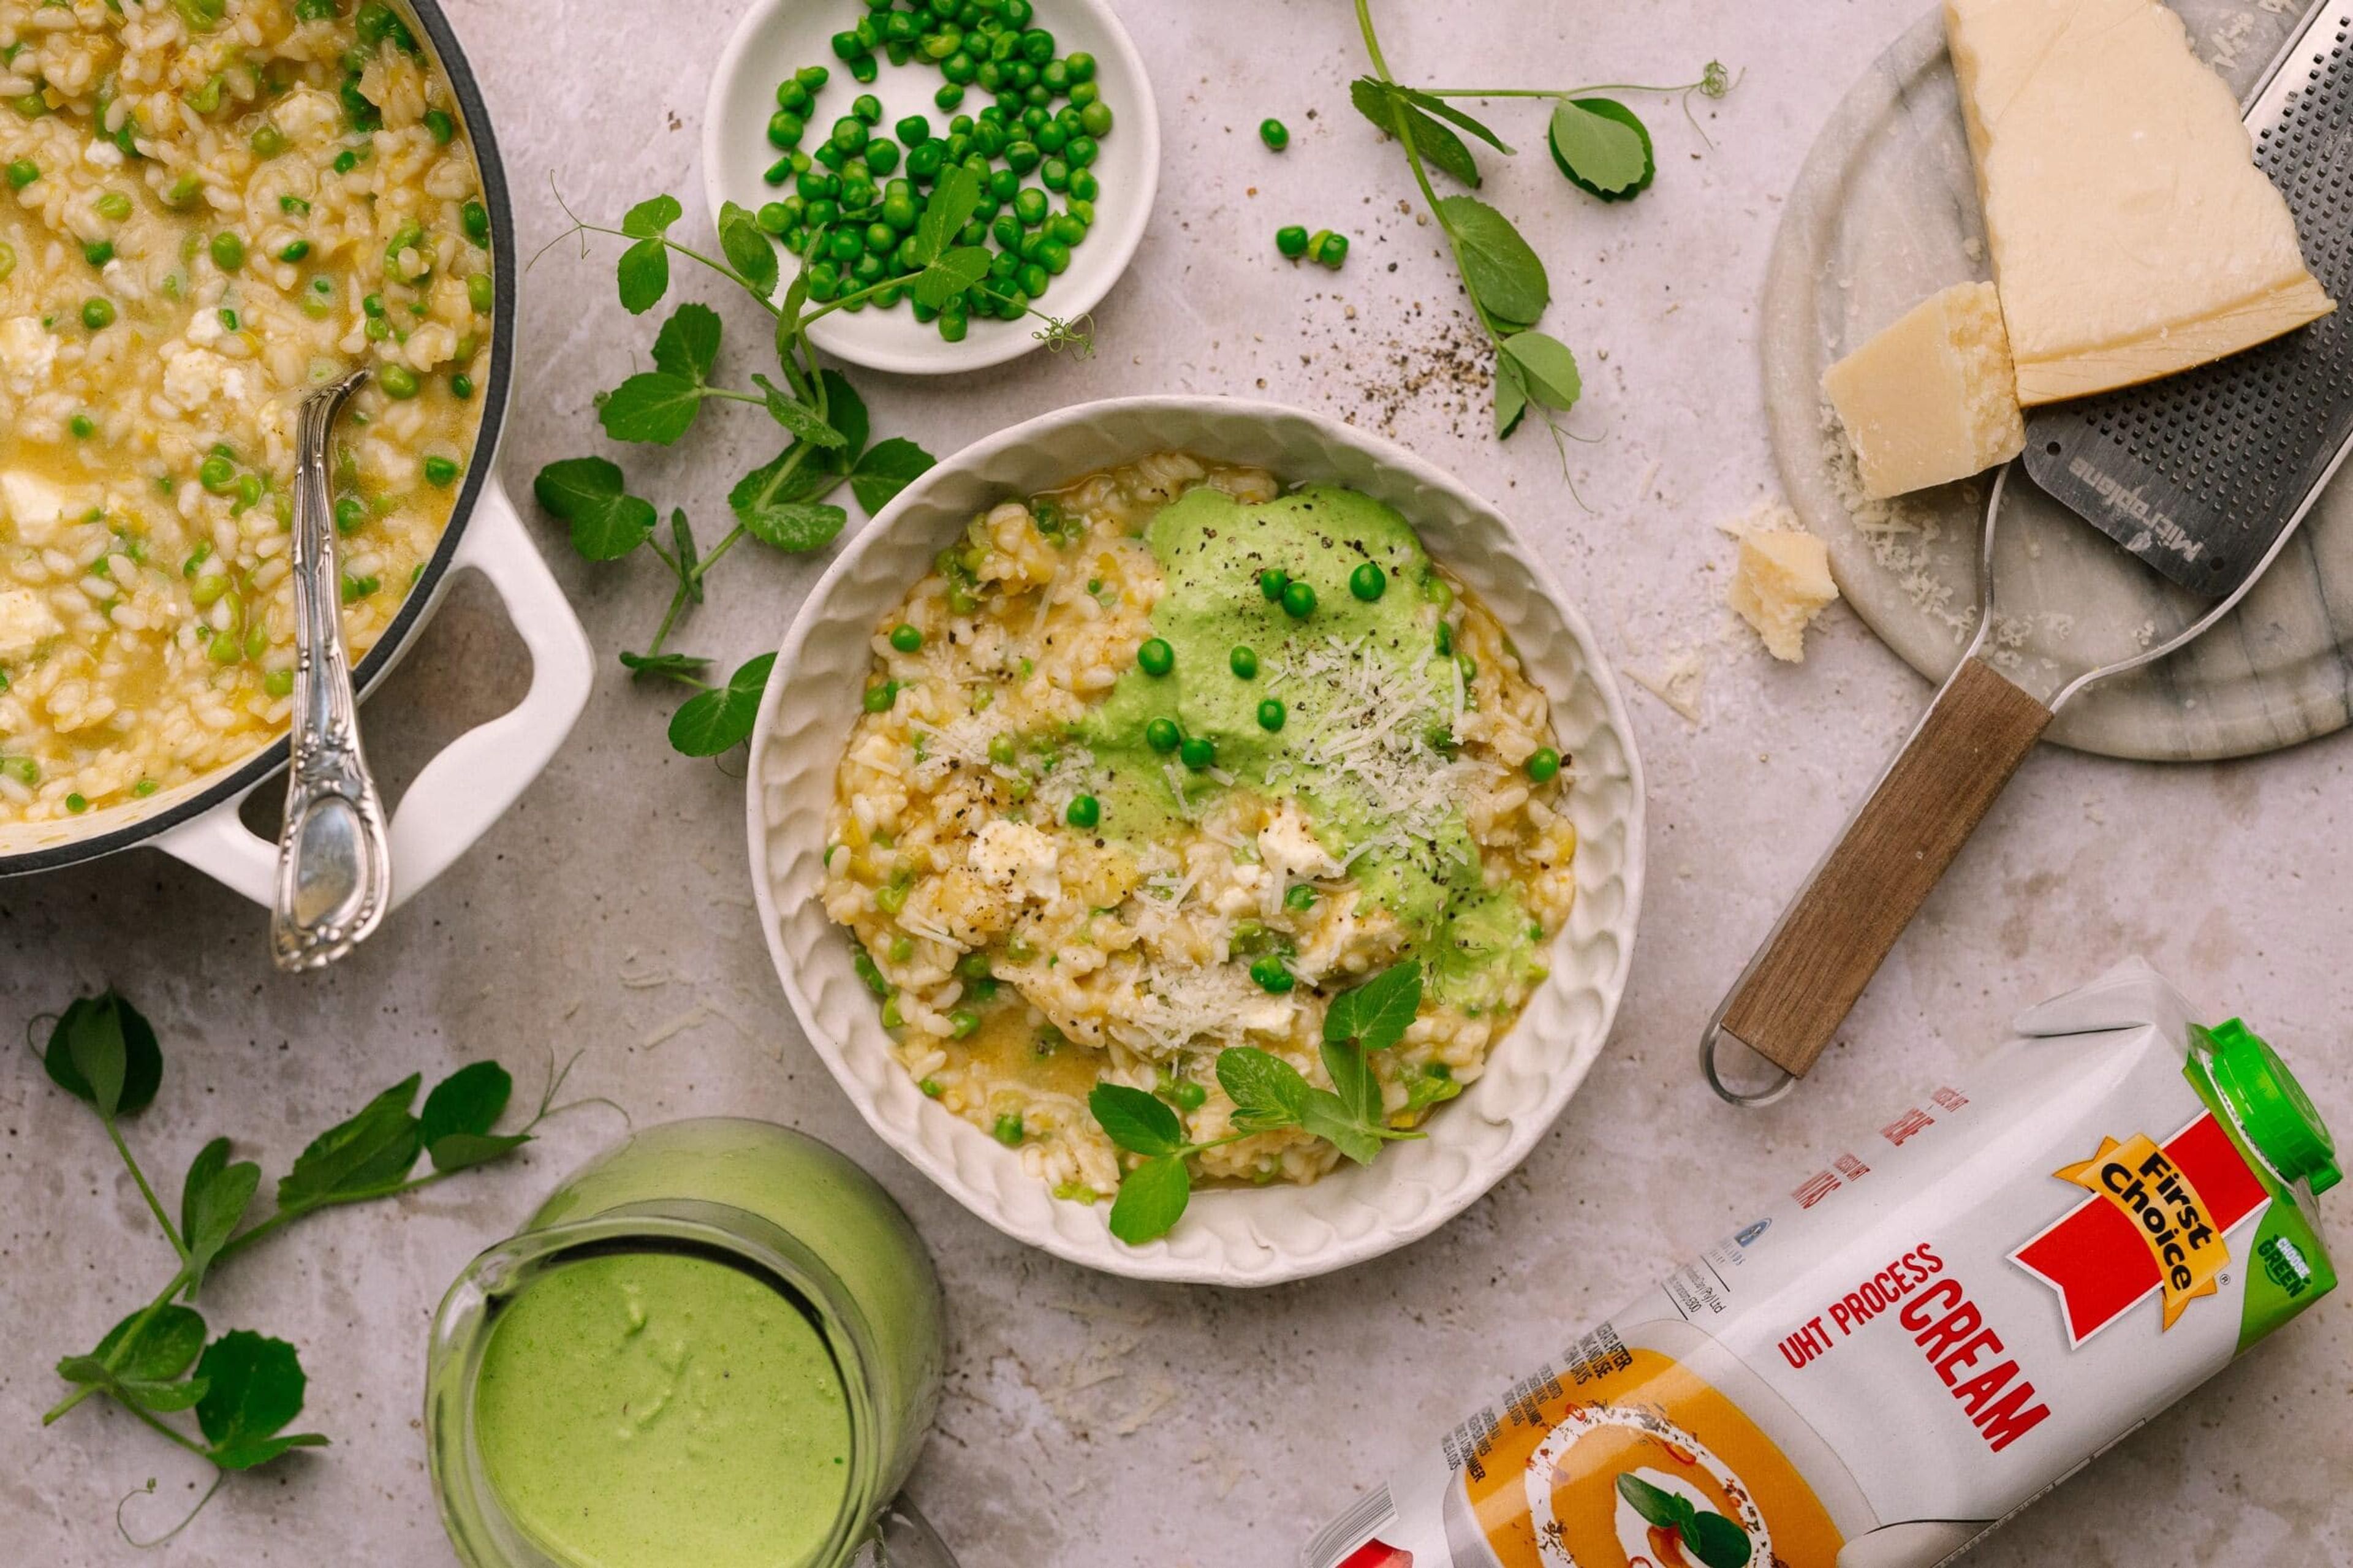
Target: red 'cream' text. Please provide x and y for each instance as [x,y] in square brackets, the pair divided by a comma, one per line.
[1951,1332]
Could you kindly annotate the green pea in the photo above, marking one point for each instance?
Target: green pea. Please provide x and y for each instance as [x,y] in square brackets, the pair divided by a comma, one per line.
[1298,600]
[952,326]
[1084,187]
[906,638]
[1155,658]
[1095,118]
[351,514]
[1000,750]
[207,589]
[475,218]
[1274,133]
[480,293]
[867,108]
[879,697]
[1443,641]
[397,379]
[461,386]
[902,948]
[268,142]
[1162,735]
[1066,228]
[1299,898]
[98,252]
[1243,662]
[1084,811]
[1369,582]
[1271,583]
[77,804]
[1197,751]
[863,69]
[113,206]
[224,649]
[849,46]
[949,96]
[279,683]
[1271,974]
[295,250]
[1271,714]
[1008,1130]
[1331,250]
[1081,66]
[23,172]
[1292,241]
[1033,279]
[440,472]
[228,251]
[1469,666]
[1543,765]
[83,426]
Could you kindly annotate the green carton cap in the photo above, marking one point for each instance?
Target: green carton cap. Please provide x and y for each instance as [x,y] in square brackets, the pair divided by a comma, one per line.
[2273,1107]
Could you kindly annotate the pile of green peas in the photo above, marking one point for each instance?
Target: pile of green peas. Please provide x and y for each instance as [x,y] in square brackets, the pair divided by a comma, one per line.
[858,196]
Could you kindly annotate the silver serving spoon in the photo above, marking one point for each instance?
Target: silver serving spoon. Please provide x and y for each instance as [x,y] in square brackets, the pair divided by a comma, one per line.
[334,855]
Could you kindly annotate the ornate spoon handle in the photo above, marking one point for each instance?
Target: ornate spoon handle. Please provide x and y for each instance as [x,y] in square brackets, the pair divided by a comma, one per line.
[334,858]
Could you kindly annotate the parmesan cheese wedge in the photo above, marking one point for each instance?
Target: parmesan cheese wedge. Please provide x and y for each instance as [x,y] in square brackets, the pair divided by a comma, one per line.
[2132,236]
[1931,398]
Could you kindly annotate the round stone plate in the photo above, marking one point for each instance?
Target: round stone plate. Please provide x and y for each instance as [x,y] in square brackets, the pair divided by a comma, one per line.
[1885,213]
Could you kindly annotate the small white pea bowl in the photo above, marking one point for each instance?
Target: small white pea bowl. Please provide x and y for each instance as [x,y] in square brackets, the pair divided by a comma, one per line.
[1229,1236]
[776,37]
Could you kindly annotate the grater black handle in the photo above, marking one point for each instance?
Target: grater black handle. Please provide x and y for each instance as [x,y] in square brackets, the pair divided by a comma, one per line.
[1831,941]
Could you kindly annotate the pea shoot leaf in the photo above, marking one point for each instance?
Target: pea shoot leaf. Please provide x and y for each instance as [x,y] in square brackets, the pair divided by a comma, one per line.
[1328,1118]
[213,1198]
[688,345]
[799,417]
[652,219]
[1377,1014]
[1511,397]
[745,245]
[362,1157]
[1543,369]
[668,664]
[1602,147]
[1440,107]
[889,468]
[643,273]
[953,200]
[845,412]
[1504,276]
[161,1395]
[1715,1541]
[1151,1199]
[1136,1121]
[1354,1082]
[688,559]
[774,504]
[258,1386]
[164,1347]
[953,272]
[651,407]
[607,522]
[103,1053]
[1267,1091]
[1385,105]
[1428,1090]
[721,719]
[456,1122]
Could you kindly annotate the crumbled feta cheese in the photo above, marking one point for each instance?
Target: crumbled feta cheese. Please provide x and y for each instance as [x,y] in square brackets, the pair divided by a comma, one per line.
[1288,847]
[27,349]
[25,620]
[1017,857]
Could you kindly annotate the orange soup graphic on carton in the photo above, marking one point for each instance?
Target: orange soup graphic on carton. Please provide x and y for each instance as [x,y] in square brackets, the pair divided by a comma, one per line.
[1945,1318]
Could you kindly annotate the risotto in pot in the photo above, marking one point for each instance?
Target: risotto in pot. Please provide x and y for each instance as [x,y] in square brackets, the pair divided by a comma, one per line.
[1158,763]
[210,208]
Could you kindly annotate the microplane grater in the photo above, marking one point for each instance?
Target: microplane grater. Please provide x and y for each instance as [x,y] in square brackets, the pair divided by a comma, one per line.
[2202,475]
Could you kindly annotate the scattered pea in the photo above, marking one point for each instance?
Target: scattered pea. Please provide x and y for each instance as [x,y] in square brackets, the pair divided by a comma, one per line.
[1369,582]
[1329,248]
[1084,811]
[1000,750]
[351,514]
[1272,974]
[77,804]
[879,696]
[1543,765]
[98,313]
[1187,1095]
[83,426]
[113,206]
[1155,658]
[440,472]
[1162,735]
[1243,662]
[1291,240]
[1197,751]
[1274,133]
[1298,600]
[397,379]
[23,172]
[906,638]
[1271,714]
[227,251]
[1299,898]
[1008,1130]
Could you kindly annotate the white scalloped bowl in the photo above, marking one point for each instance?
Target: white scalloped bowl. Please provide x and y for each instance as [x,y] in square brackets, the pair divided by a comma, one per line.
[1230,1236]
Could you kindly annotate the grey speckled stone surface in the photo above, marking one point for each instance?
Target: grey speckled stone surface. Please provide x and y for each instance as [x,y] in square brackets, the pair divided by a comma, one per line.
[1090,1422]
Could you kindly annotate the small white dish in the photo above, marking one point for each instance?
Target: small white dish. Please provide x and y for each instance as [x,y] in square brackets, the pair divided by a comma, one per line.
[1239,1236]
[777,37]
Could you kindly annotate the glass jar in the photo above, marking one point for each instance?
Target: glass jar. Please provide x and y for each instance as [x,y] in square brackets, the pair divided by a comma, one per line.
[689,1244]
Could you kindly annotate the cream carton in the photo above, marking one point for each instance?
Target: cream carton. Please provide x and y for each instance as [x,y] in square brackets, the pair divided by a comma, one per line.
[1952,1315]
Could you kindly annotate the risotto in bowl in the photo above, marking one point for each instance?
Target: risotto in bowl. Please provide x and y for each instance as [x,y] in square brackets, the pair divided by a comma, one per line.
[1138,741]
[208,208]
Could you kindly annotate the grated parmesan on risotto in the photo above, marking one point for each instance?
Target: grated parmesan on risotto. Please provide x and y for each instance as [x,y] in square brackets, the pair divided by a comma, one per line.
[209,208]
[1155,764]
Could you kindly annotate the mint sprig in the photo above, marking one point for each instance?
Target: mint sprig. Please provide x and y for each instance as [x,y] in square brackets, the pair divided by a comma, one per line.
[1268,1095]
[244,1388]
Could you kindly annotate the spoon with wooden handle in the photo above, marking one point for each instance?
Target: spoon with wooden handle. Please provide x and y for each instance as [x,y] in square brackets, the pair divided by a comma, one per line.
[334,855]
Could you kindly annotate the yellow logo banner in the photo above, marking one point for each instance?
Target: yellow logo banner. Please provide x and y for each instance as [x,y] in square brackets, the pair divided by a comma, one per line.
[2144,1184]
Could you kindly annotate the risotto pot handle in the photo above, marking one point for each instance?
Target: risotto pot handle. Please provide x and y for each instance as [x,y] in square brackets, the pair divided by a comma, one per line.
[475,778]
